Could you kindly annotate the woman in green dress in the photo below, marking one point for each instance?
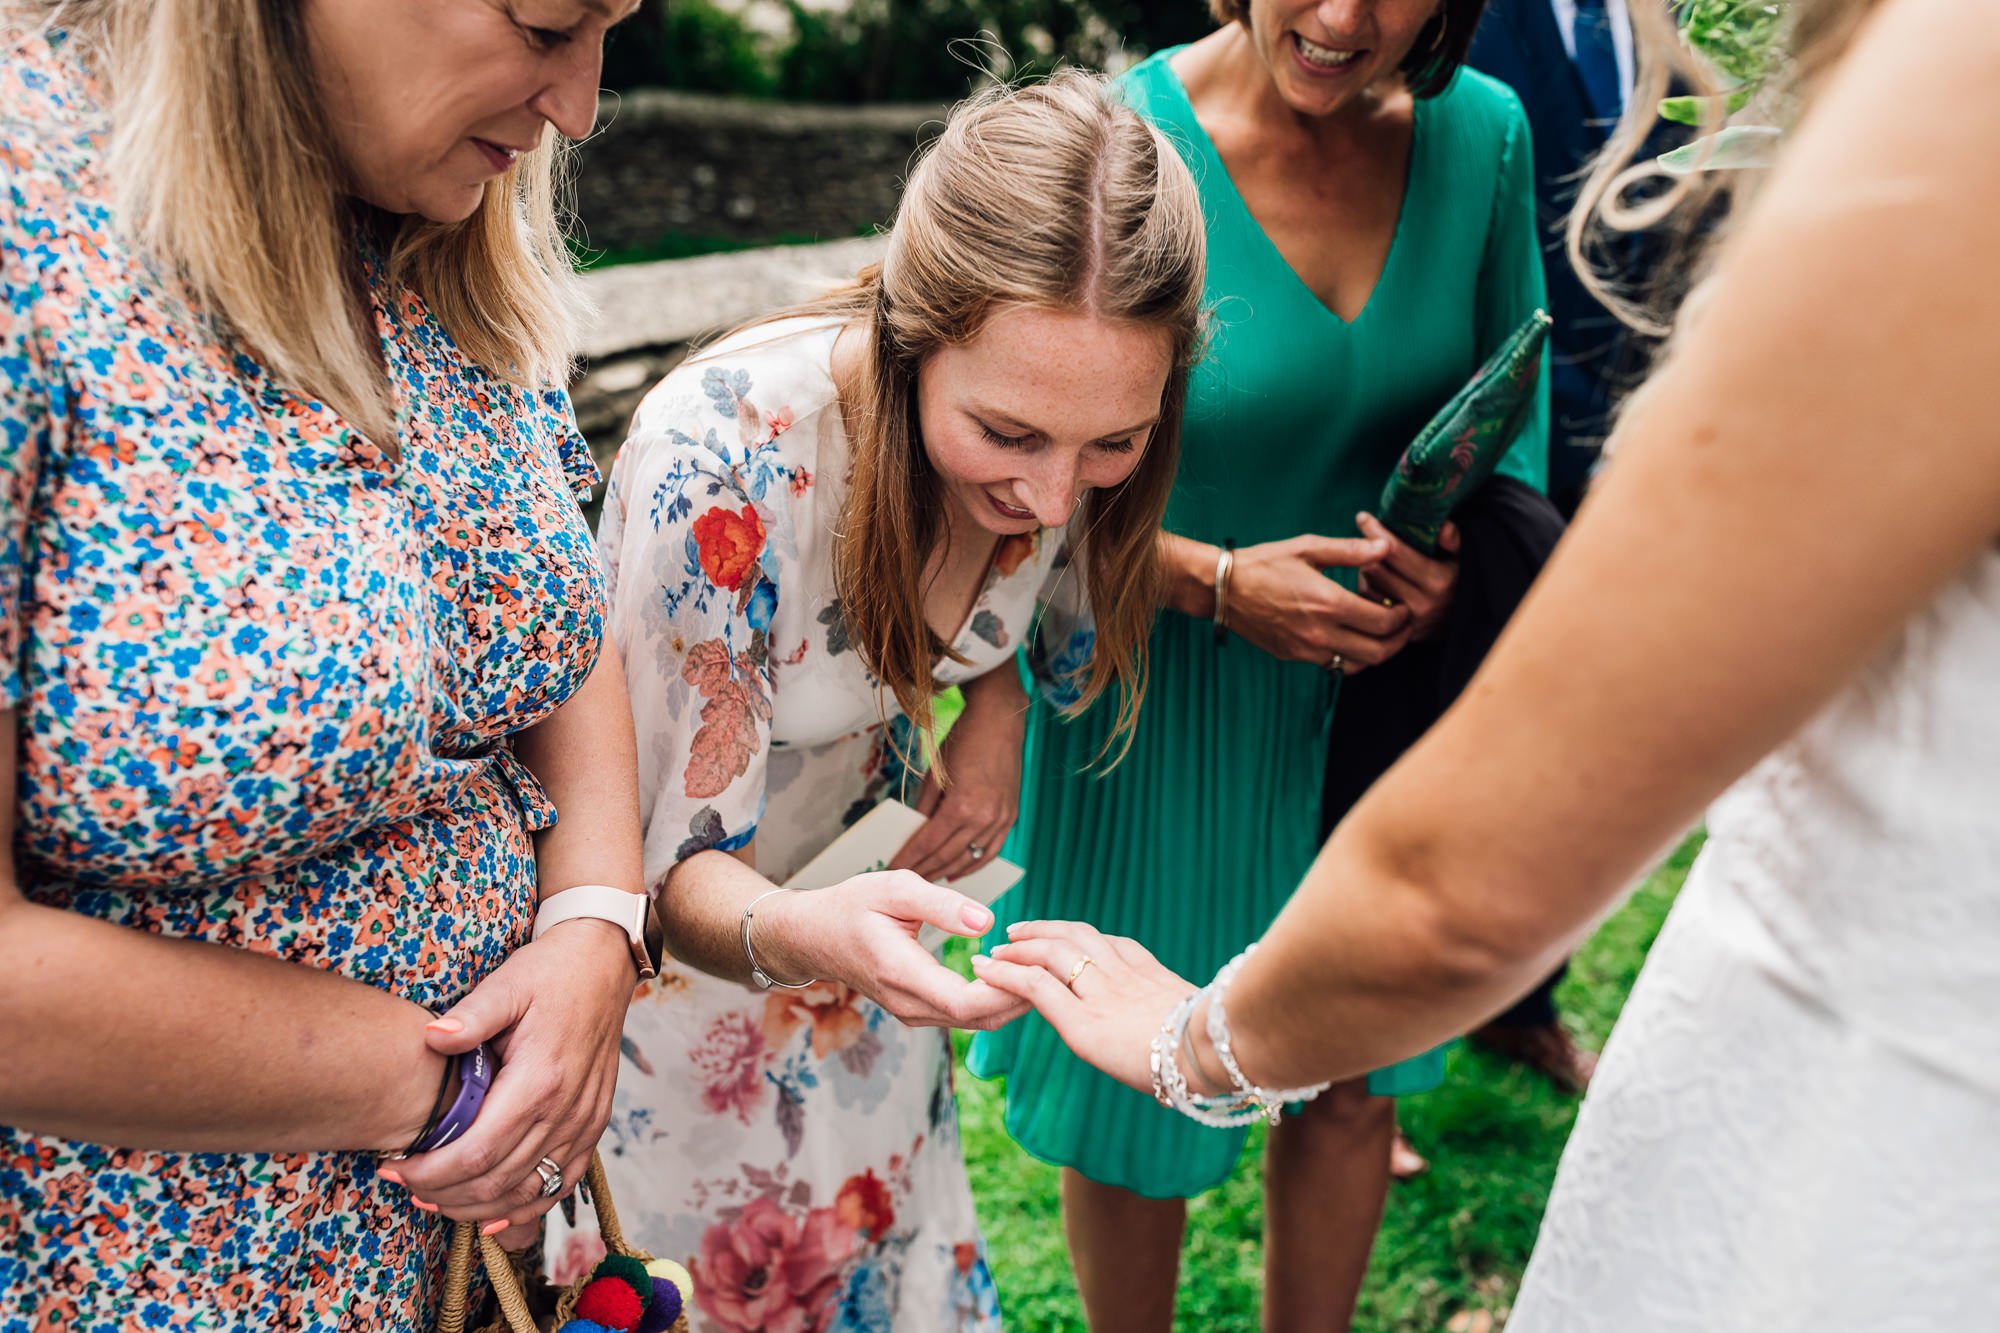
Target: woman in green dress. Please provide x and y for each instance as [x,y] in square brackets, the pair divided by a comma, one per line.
[1372,236]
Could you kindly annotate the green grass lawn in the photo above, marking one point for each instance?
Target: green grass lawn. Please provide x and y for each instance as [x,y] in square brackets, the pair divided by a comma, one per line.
[1454,1239]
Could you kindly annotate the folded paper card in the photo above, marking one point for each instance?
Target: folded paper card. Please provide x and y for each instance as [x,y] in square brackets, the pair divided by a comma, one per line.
[873,842]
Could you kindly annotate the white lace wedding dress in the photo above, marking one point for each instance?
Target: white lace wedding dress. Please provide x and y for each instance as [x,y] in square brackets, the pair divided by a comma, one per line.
[1797,1122]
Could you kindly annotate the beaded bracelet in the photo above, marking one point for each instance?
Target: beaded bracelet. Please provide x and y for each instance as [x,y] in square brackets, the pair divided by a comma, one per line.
[1170,1086]
[1273,1100]
[1247,1102]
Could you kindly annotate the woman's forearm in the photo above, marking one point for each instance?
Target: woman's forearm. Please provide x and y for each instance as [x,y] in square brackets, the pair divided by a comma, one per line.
[120,1037]
[1189,586]
[586,759]
[702,907]
[123,1037]
[1369,965]
[999,688]
[1750,552]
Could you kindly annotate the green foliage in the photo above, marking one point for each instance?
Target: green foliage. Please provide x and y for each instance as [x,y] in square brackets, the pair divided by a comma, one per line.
[1455,1238]
[932,50]
[1743,39]
[1697,110]
[1730,148]
[689,44]
[886,50]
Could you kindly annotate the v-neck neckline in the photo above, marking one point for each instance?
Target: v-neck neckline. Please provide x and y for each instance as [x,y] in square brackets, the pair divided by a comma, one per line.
[1212,156]
[982,587]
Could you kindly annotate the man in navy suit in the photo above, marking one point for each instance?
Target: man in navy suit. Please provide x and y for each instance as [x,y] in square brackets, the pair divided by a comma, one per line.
[1571,63]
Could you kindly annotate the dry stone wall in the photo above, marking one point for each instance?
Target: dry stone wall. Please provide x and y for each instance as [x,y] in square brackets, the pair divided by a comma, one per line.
[649,315]
[667,162]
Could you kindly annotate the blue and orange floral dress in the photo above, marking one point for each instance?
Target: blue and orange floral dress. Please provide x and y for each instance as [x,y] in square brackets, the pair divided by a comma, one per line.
[798,1150]
[265,677]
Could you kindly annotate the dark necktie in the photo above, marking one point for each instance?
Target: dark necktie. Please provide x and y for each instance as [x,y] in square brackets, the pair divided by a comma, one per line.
[1597,62]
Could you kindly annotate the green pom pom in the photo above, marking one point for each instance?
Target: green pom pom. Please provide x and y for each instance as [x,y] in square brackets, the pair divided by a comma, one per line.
[632,1272]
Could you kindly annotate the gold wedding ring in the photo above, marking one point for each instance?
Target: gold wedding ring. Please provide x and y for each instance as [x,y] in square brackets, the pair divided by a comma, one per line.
[1077,971]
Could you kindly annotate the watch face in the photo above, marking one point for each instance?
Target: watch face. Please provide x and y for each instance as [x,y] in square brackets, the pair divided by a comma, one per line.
[652,939]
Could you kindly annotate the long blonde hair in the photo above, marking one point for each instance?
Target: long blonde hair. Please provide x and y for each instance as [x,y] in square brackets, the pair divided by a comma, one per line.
[225,175]
[1615,197]
[1054,195]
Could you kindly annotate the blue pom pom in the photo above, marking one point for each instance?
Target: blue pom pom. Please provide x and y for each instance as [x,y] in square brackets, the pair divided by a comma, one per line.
[584,1326]
[663,1309]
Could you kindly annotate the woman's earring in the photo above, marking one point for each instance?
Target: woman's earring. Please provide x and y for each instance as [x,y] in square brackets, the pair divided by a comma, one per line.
[1444,22]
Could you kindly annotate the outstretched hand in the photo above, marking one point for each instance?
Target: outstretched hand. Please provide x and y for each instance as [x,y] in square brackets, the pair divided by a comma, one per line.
[1106,1011]
[862,932]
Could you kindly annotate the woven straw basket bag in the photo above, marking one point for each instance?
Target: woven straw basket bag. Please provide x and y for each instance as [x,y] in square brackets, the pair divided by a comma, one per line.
[629,1291]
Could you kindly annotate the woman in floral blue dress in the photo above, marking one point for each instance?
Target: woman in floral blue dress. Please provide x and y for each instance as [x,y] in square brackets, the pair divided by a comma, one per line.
[813,527]
[303,657]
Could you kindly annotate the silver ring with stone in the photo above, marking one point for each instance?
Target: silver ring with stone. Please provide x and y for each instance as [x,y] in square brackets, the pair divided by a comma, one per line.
[552,1177]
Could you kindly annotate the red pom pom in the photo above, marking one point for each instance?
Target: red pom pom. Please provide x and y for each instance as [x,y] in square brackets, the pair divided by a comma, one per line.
[610,1302]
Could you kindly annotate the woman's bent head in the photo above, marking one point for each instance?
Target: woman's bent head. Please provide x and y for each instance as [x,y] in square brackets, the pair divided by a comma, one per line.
[1029,337]
[253,140]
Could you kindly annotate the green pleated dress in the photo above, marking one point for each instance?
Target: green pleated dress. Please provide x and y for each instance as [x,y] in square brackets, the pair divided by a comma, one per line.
[1295,419]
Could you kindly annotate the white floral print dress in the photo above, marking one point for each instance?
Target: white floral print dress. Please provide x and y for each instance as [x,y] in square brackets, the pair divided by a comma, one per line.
[797,1150]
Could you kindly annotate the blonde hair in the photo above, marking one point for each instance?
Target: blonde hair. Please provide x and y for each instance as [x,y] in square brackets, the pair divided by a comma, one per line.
[1055,195]
[1615,197]
[225,175]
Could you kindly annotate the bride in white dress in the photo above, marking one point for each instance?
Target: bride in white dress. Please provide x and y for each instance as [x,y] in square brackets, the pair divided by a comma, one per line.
[1789,581]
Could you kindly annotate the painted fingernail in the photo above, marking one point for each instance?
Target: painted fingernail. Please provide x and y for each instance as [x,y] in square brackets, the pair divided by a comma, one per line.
[976,917]
[444,1025]
[388,1175]
[427,1207]
[494,1228]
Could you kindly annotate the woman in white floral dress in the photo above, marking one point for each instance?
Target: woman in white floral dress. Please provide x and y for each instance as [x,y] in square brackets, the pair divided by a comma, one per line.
[814,526]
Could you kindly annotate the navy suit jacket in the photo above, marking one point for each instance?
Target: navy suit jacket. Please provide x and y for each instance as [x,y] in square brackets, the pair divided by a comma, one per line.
[1594,356]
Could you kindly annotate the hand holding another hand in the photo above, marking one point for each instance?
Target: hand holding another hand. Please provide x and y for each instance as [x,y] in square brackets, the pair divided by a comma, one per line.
[1107,1009]
[862,932]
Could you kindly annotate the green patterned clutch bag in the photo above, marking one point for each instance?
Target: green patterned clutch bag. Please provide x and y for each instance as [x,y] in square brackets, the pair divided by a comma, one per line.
[1460,446]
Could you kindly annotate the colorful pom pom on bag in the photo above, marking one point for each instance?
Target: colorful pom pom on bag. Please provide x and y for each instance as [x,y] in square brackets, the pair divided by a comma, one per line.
[628,1292]
[1458,448]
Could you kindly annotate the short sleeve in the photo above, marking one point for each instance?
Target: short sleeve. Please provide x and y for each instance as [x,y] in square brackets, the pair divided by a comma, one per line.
[558,416]
[1512,287]
[692,604]
[1065,636]
[24,440]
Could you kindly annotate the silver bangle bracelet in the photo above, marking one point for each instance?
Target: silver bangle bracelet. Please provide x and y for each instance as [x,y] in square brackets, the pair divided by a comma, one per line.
[1170,1085]
[1273,1100]
[764,980]
[1225,561]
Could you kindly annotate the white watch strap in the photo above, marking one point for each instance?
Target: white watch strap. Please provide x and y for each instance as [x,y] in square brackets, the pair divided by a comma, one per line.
[605,902]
